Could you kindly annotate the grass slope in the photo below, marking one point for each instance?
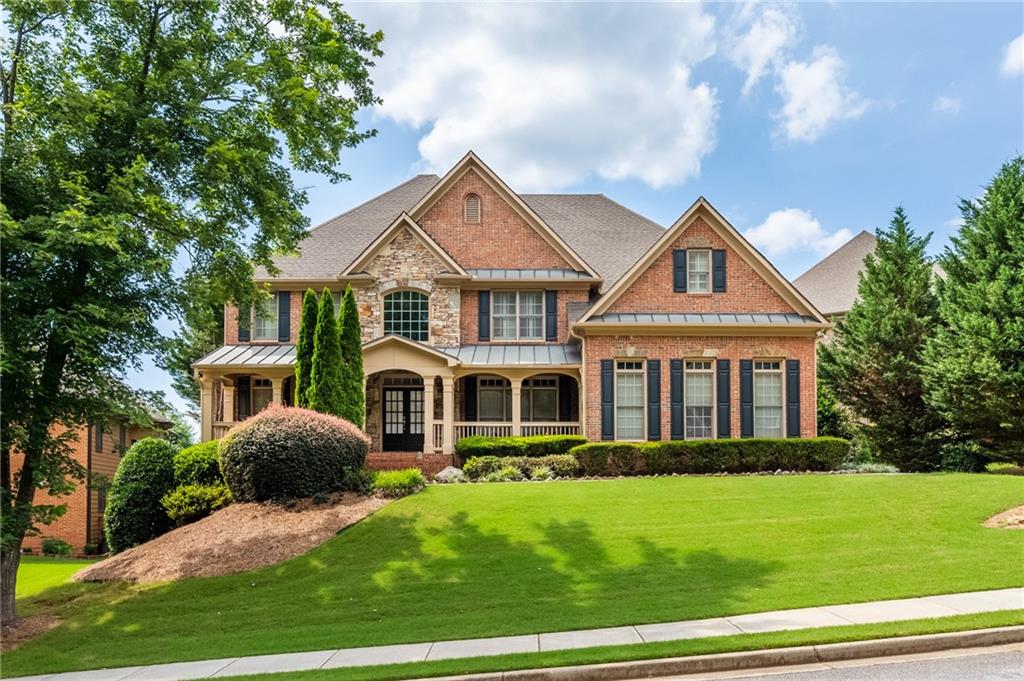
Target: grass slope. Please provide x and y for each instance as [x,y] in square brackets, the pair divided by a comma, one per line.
[37,574]
[488,560]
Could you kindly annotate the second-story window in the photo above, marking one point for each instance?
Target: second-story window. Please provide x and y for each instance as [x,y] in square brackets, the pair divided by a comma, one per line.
[407,313]
[518,315]
[698,271]
[264,321]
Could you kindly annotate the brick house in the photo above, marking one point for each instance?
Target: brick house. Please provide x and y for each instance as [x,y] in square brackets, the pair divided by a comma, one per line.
[98,449]
[489,312]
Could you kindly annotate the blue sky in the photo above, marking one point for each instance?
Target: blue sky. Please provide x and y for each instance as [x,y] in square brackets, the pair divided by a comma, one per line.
[802,123]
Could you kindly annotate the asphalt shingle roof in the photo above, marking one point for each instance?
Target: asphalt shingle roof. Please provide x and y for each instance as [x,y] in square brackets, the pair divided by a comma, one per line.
[831,285]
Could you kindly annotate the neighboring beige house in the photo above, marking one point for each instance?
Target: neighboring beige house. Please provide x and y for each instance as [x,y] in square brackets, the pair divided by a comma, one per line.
[831,285]
[488,312]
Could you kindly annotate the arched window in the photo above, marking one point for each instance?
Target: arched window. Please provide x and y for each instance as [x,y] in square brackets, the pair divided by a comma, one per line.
[407,313]
[472,208]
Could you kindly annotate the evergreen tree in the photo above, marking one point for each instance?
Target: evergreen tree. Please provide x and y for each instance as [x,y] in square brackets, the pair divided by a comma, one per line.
[873,364]
[975,362]
[353,393]
[833,421]
[304,348]
[325,384]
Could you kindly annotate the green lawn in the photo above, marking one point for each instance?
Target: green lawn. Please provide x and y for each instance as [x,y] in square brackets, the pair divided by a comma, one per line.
[37,574]
[487,560]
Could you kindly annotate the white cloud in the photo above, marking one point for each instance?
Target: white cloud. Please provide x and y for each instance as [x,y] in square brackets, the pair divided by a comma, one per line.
[793,229]
[548,94]
[757,38]
[815,96]
[1013,59]
[945,104]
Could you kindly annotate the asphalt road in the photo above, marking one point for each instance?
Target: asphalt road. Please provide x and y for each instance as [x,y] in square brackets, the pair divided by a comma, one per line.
[1006,665]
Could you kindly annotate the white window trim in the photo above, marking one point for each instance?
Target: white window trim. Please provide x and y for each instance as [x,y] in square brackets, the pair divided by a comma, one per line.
[518,337]
[714,395]
[276,317]
[689,266]
[643,397]
[399,289]
[781,371]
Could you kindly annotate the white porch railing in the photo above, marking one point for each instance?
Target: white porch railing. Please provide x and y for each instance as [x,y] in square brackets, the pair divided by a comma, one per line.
[550,428]
[438,435]
[486,428]
[221,428]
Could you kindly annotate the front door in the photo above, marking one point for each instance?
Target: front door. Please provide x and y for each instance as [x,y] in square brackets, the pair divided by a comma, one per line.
[403,419]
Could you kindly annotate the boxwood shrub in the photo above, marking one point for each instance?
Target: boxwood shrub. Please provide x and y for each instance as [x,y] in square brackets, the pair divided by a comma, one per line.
[198,465]
[288,453]
[711,456]
[559,465]
[134,513]
[528,445]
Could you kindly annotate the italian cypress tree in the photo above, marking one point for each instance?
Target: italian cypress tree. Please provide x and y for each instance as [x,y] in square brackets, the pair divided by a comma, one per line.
[873,364]
[325,385]
[353,392]
[304,348]
[975,362]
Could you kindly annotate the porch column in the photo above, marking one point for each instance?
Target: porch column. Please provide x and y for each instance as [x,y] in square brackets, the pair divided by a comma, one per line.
[579,404]
[228,389]
[205,408]
[517,407]
[448,412]
[428,414]
[277,387]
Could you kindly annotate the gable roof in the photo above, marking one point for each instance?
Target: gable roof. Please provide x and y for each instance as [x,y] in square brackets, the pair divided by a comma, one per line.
[831,285]
[758,262]
[403,221]
[472,162]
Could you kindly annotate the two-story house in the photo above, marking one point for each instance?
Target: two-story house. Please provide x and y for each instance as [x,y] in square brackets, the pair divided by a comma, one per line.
[489,312]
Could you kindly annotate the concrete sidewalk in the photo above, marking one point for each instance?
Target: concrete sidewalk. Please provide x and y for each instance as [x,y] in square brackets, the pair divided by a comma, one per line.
[780,620]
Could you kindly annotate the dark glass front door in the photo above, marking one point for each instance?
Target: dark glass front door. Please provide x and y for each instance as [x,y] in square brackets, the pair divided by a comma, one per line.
[403,419]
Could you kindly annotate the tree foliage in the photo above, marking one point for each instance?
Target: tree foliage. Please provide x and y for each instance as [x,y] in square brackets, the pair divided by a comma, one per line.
[325,375]
[145,169]
[873,363]
[833,420]
[975,362]
[304,348]
[353,393]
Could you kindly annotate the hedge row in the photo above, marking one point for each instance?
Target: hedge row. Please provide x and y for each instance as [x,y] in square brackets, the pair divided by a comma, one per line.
[529,445]
[558,465]
[711,456]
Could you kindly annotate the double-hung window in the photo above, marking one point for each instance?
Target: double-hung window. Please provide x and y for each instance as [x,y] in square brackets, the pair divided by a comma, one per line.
[768,400]
[698,400]
[698,271]
[264,319]
[518,315]
[629,400]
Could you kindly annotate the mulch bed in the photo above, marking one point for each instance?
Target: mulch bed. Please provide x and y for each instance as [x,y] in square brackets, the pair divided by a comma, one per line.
[1012,519]
[235,539]
[25,628]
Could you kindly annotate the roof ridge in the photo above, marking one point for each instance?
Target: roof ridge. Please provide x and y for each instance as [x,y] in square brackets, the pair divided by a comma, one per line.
[371,200]
[835,253]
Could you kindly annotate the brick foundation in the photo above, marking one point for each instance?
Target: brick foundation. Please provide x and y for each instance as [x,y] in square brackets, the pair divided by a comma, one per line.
[428,463]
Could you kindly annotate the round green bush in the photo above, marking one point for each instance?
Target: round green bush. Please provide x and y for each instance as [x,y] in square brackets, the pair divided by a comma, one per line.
[289,453]
[198,465]
[134,514]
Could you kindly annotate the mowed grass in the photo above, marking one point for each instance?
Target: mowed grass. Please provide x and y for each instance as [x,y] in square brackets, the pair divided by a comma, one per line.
[464,561]
[37,574]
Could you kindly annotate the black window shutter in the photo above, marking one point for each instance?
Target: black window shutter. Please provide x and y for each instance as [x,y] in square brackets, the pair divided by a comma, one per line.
[724,399]
[746,398]
[607,400]
[676,398]
[792,398]
[469,397]
[241,397]
[551,315]
[679,270]
[122,437]
[243,324]
[284,316]
[718,271]
[566,388]
[654,399]
[98,432]
[484,315]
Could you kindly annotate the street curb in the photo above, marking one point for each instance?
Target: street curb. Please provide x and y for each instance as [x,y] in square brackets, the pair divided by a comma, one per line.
[755,659]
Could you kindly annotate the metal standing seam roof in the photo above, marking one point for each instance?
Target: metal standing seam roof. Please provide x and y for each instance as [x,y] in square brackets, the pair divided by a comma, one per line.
[250,355]
[527,274]
[506,355]
[703,318]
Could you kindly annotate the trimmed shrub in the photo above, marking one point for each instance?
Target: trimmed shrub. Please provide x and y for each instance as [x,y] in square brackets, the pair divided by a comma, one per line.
[559,465]
[480,466]
[56,547]
[530,445]
[134,513]
[401,483]
[711,456]
[290,453]
[189,503]
[359,481]
[504,474]
[198,465]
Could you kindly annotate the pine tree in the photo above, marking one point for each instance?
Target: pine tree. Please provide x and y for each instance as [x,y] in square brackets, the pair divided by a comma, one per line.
[325,385]
[304,348]
[873,364]
[975,363]
[353,391]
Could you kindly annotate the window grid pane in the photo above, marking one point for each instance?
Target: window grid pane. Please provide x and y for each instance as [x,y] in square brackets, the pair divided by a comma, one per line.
[768,402]
[407,313]
[698,400]
[698,268]
[265,323]
[629,403]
